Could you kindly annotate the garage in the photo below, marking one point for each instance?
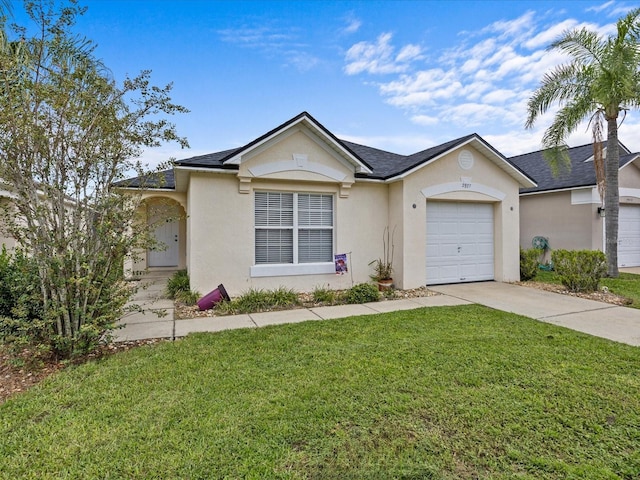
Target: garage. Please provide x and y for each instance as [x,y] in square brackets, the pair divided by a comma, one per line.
[629,236]
[459,242]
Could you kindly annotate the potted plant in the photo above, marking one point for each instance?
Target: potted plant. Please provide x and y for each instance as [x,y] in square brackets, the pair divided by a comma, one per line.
[383,267]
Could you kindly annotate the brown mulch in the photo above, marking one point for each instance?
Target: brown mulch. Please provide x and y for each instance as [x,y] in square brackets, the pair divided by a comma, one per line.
[602,295]
[21,373]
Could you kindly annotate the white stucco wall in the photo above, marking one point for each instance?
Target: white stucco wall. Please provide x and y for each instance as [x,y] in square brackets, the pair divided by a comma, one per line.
[222,233]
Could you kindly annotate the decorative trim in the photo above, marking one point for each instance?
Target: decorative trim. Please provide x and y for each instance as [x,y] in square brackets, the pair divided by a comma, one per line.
[465,160]
[244,184]
[345,189]
[629,192]
[297,164]
[461,186]
[585,196]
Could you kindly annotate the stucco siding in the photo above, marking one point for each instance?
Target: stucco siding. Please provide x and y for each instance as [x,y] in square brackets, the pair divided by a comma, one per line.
[553,216]
[629,176]
[223,237]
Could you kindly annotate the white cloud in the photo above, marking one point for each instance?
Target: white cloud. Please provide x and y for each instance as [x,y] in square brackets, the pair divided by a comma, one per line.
[281,44]
[599,8]
[512,28]
[547,36]
[482,83]
[353,25]
[302,61]
[415,92]
[425,120]
[479,114]
[379,57]
[499,96]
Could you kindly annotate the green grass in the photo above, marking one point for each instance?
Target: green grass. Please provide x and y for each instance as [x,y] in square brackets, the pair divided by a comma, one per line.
[626,285]
[441,393]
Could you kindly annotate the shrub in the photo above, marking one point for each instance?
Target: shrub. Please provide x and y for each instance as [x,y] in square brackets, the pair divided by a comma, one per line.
[188,297]
[258,300]
[22,319]
[362,293]
[580,270]
[178,283]
[323,295]
[529,263]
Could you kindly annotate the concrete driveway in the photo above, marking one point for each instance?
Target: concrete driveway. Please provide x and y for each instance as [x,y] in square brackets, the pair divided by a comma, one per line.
[621,324]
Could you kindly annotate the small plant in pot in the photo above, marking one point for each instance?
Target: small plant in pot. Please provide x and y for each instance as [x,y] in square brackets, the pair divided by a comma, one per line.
[383,267]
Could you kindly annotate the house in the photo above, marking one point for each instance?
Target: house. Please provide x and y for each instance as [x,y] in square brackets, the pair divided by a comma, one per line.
[6,240]
[567,210]
[275,211]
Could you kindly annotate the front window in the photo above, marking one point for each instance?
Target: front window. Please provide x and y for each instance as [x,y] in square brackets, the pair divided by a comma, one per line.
[293,228]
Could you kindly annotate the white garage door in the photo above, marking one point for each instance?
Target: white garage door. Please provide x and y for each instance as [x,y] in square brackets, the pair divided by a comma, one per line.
[459,242]
[629,236]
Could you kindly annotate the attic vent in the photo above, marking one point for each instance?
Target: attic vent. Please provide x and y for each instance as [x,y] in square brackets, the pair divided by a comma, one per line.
[465,160]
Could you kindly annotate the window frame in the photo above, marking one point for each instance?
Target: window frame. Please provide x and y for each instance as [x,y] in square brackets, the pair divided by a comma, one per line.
[294,268]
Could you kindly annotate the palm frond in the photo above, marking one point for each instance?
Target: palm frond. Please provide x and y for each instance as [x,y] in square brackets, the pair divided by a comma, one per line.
[563,84]
[581,44]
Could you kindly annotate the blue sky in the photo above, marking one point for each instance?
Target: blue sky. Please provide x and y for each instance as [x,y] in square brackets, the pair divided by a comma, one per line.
[396,75]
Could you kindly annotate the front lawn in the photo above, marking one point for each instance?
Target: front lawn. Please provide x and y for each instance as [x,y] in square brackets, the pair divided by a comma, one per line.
[626,285]
[442,393]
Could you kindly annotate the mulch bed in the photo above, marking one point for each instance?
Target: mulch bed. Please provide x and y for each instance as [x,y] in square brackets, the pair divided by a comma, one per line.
[305,300]
[602,295]
[15,379]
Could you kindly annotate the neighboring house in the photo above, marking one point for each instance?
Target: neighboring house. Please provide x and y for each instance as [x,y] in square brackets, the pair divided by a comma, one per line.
[275,212]
[6,240]
[567,209]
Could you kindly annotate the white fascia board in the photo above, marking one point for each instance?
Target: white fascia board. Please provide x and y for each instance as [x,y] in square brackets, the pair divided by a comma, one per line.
[630,162]
[558,190]
[205,170]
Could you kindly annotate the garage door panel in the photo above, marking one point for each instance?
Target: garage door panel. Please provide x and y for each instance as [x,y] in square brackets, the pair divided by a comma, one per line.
[459,242]
[629,236]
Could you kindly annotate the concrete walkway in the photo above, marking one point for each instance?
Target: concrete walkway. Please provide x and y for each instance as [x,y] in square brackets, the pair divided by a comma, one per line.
[154,319]
[620,324]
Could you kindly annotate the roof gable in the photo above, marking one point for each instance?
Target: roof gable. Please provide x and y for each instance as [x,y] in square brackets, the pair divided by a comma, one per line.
[307,121]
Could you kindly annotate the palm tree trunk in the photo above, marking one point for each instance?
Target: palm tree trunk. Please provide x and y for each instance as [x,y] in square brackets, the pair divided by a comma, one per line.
[612,196]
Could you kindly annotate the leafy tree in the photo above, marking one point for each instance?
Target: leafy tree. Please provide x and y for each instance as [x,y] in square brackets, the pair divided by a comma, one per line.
[600,81]
[68,132]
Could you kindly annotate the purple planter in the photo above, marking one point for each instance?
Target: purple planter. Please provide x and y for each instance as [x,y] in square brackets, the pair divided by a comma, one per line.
[212,298]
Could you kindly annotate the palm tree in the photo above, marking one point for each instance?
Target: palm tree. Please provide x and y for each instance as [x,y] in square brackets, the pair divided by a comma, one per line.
[600,81]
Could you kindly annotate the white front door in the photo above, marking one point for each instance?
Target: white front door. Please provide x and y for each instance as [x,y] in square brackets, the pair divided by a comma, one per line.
[459,242]
[164,221]
[629,236]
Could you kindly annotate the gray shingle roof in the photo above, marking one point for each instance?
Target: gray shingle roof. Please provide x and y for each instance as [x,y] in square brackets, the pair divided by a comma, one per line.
[383,164]
[581,174]
[386,164]
[163,179]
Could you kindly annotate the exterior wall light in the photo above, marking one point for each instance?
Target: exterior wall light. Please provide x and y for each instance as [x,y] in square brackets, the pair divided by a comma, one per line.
[601,211]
